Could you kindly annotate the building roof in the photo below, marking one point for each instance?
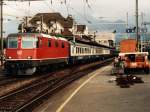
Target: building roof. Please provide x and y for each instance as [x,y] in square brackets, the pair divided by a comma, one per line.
[55,17]
[67,33]
[81,28]
[93,43]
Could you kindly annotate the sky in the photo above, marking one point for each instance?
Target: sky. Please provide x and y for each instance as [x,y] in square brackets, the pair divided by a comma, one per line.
[87,12]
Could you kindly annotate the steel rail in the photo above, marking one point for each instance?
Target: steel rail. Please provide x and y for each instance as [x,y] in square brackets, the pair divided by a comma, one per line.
[42,89]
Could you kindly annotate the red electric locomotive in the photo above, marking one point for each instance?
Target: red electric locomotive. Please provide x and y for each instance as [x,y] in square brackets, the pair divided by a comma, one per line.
[26,52]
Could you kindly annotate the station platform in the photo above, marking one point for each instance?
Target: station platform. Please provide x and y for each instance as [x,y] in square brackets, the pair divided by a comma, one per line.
[94,93]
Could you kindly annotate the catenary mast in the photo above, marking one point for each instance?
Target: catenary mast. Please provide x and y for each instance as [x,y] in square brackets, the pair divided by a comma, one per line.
[137,28]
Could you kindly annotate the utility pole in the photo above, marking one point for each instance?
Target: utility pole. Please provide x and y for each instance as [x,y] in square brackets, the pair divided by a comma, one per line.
[26,21]
[1,29]
[74,31]
[142,19]
[127,23]
[41,24]
[137,29]
[142,31]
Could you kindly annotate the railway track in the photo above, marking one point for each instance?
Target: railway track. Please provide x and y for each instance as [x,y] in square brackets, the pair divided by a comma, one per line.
[27,98]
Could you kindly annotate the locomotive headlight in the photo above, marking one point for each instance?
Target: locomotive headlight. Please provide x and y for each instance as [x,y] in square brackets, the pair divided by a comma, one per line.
[9,57]
[29,57]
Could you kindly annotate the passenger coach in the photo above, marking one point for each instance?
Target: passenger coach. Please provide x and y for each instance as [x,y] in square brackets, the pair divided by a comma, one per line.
[88,51]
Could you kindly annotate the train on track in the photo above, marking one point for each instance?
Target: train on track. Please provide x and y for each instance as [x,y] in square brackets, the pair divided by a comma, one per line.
[28,52]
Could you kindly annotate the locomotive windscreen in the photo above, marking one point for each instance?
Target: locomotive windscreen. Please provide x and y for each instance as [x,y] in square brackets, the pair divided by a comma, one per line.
[29,42]
[12,42]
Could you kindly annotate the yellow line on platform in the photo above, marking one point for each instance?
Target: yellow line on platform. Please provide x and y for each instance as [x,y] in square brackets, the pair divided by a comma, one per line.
[74,93]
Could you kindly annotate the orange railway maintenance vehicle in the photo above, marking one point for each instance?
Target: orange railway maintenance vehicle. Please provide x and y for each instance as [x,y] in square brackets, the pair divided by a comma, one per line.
[132,59]
[135,60]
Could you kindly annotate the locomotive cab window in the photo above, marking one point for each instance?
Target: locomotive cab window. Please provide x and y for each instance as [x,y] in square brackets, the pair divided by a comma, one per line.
[29,42]
[131,57]
[12,42]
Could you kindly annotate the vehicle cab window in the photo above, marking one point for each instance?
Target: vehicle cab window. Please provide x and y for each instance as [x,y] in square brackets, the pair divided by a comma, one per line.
[28,42]
[12,42]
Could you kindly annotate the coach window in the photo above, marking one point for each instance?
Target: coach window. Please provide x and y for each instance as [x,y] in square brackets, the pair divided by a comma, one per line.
[63,45]
[56,43]
[12,42]
[72,48]
[49,43]
[82,50]
[86,50]
[77,50]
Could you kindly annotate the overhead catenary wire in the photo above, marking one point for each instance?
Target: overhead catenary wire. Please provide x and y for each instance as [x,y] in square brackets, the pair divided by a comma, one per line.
[15,8]
[65,3]
[78,13]
[49,6]
[85,13]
